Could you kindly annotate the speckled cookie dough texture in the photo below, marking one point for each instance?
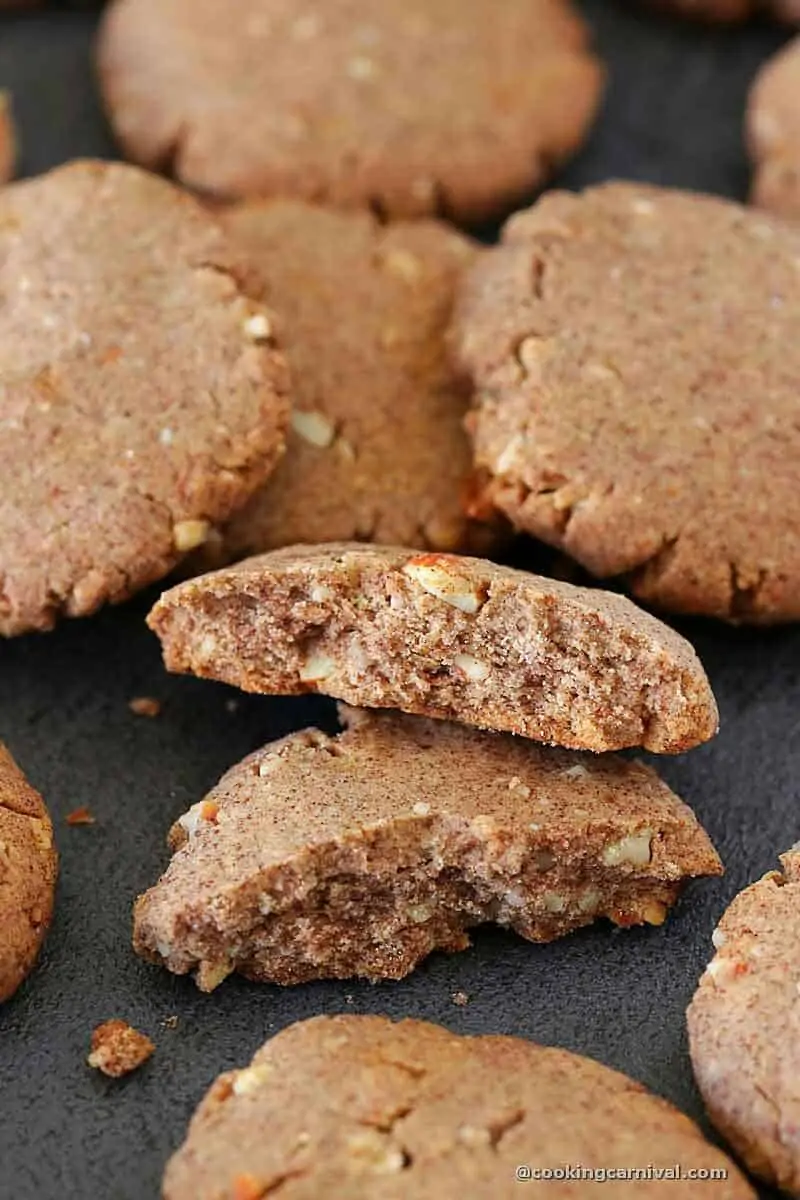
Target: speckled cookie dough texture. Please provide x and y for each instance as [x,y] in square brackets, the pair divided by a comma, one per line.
[744,1027]
[773,133]
[28,869]
[361,1107]
[141,398]
[357,855]
[635,356]
[377,449]
[412,107]
[442,636]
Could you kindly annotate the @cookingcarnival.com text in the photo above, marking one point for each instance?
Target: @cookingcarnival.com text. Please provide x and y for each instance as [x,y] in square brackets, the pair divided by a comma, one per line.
[578,1171]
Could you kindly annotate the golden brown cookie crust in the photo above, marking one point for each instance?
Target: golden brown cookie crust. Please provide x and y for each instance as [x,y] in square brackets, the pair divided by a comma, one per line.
[744,1027]
[442,636]
[8,139]
[362,1107]
[357,855]
[413,107]
[653,436]
[773,133]
[377,451]
[28,870]
[141,396]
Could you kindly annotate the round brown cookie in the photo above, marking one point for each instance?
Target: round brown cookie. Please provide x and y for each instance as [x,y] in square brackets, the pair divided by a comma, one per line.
[8,140]
[744,1027]
[442,636]
[357,855]
[361,1107]
[139,399]
[773,133]
[411,106]
[28,869]
[636,362]
[377,450]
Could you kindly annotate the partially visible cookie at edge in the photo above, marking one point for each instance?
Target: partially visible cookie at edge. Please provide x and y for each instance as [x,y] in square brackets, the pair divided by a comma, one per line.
[377,450]
[357,855]
[409,107]
[744,1027]
[773,133]
[443,636]
[360,1107]
[8,139]
[635,358]
[142,398]
[28,871]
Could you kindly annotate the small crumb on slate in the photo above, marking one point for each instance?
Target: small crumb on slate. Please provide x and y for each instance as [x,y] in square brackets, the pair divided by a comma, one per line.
[145,706]
[460,998]
[117,1049]
[170,1022]
[80,816]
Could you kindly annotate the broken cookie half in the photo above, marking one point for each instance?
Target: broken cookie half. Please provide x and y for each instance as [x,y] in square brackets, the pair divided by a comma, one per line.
[443,636]
[359,854]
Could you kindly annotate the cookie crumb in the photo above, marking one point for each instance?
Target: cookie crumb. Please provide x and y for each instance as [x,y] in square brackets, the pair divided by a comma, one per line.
[460,998]
[118,1049]
[8,139]
[80,816]
[170,1022]
[145,706]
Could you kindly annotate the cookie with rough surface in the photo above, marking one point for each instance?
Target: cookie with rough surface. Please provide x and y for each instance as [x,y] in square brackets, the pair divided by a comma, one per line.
[357,855]
[361,1107]
[412,107]
[635,356]
[141,399]
[442,636]
[8,140]
[744,1027]
[377,449]
[773,133]
[28,870]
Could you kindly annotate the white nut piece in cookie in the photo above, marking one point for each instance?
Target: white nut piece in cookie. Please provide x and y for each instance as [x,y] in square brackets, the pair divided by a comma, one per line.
[188,535]
[437,575]
[251,1079]
[316,668]
[635,850]
[313,427]
[474,668]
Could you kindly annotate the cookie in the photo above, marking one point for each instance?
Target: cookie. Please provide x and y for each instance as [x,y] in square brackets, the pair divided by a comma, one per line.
[140,400]
[377,449]
[357,855]
[726,11]
[442,636]
[8,140]
[411,107]
[744,1025]
[360,1107]
[635,359]
[773,133]
[28,870]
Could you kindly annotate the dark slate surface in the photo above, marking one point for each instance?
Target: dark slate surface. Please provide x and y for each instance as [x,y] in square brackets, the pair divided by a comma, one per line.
[673,115]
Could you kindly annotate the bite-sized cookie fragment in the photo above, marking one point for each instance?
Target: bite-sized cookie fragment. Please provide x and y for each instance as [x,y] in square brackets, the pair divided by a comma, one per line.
[744,1027]
[773,133]
[359,854]
[635,355]
[8,139]
[117,1049]
[377,449]
[411,107]
[28,870]
[442,636]
[140,401]
[362,1107]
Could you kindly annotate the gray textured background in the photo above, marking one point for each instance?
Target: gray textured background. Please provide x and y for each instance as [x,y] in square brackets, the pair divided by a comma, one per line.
[673,115]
